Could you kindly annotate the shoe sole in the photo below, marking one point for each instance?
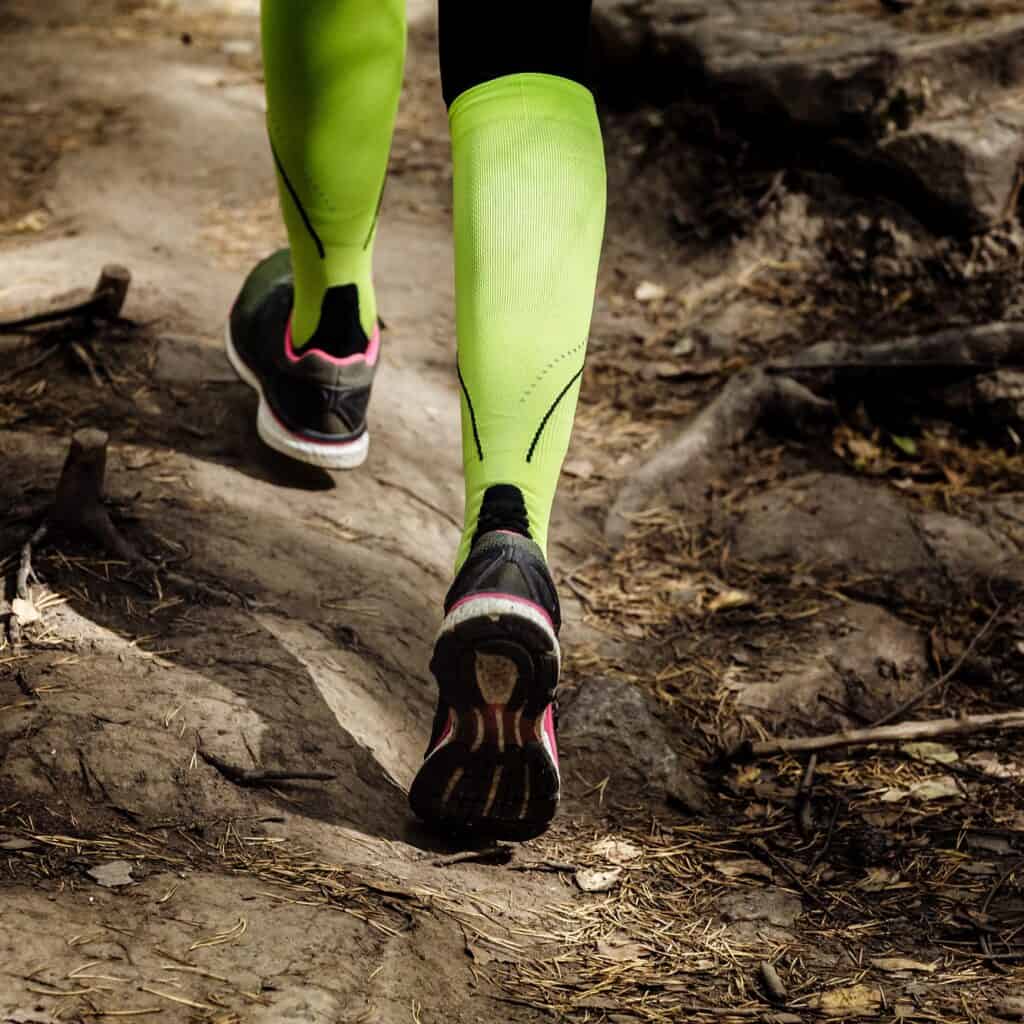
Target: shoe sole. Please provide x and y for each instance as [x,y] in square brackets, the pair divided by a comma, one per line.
[495,772]
[342,455]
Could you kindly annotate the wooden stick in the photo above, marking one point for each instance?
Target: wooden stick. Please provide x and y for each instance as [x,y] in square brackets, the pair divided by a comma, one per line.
[110,292]
[899,733]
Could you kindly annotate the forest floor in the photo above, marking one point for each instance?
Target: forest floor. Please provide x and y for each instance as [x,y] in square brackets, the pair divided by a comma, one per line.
[819,581]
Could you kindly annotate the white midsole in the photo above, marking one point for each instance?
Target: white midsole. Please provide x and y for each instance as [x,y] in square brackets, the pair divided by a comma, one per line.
[346,455]
[488,605]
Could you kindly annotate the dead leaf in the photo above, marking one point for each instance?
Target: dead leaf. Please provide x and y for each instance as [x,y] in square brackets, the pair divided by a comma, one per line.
[620,950]
[648,291]
[748,868]
[941,788]
[880,880]
[931,752]
[16,845]
[583,469]
[25,611]
[617,851]
[990,764]
[898,963]
[863,450]
[853,1001]
[936,789]
[730,599]
[112,873]
[592,880]
[35,221]
[894,795]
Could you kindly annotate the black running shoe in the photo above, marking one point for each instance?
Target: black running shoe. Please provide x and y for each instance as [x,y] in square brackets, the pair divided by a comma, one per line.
[492,764]
[312,402]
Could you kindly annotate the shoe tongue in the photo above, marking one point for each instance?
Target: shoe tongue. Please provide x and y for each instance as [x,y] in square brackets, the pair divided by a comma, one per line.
[339,332]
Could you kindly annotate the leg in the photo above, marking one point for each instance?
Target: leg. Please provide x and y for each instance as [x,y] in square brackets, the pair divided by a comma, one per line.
[333,71]
[529,218]
[303,331]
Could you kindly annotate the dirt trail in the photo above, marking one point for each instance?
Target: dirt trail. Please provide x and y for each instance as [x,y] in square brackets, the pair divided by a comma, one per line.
[137,878]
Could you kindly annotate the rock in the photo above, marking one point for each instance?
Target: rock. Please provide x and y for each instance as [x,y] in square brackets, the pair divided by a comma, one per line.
[644,755]
[771,905]
[861,528]
[686,790]
[899,93]
[297,1001]
[967,552]
[822,64]
[992,401]
[968,165]
[867,661]
[836,522]
[112,873]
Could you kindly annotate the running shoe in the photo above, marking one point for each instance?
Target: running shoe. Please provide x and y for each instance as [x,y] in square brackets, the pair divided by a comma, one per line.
[312,401]
[492,764]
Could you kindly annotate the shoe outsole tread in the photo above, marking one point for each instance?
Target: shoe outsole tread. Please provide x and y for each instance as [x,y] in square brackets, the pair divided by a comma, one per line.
[493,774]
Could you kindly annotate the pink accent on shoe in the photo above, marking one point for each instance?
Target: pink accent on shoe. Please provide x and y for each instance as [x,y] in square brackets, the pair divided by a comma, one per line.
[442,738]
[369,356]
[505,597]
[549,728]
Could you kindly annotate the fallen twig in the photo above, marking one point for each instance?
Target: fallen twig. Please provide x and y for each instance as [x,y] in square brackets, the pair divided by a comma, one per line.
[899,733]
[259,776]
[695,455]
[804,805]
[557,866]
[490,855]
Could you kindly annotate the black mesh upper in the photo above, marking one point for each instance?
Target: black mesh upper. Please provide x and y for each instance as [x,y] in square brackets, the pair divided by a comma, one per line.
[507,563]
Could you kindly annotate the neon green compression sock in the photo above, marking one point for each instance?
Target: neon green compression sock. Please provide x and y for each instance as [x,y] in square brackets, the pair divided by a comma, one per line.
[529,209]
[333,72]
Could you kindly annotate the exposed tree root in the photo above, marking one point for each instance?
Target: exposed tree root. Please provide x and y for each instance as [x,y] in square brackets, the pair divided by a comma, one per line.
[987,347]
[681,472]
[690,462]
